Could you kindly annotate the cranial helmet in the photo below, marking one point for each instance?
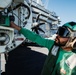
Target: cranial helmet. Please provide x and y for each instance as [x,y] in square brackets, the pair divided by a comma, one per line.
[69,30]
[71,25]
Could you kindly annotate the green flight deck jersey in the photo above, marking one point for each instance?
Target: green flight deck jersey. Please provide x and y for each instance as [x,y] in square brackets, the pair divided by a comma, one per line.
[57,58]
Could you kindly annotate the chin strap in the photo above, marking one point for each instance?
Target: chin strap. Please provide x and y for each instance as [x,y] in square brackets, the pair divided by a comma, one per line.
[71,43]
[68,43]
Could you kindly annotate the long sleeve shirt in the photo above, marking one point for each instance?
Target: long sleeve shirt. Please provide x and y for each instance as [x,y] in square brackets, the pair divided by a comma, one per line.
[64,58]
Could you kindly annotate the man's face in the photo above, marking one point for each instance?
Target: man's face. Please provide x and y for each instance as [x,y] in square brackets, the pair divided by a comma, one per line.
[61,41]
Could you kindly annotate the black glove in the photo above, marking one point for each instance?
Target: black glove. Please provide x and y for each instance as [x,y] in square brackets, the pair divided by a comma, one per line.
[12,18]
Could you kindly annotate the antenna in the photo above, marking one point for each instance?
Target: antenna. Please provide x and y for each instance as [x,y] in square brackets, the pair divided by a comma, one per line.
[46,3]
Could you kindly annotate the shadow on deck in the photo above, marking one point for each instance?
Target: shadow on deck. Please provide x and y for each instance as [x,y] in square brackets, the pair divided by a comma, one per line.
[24,61]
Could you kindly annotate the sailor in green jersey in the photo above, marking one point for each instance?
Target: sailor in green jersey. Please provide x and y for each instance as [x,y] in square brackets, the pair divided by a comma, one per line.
[61,59]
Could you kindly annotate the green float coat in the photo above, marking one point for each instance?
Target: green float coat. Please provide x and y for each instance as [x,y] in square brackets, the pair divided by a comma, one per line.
[53,64]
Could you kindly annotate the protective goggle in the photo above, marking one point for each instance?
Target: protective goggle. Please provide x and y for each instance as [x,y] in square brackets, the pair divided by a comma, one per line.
[66,32]
[63,32]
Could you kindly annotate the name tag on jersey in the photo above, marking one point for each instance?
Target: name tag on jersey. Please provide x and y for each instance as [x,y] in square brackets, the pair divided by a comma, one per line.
[54,50]
[71,61]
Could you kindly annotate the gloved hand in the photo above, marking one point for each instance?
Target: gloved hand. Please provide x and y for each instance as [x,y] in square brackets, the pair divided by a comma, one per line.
[12,18]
